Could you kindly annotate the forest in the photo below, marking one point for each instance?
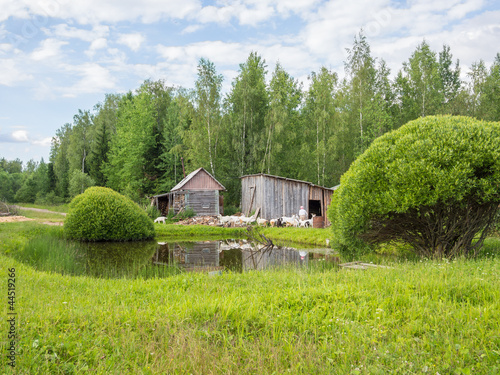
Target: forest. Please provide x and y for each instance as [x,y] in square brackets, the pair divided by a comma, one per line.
[136,143]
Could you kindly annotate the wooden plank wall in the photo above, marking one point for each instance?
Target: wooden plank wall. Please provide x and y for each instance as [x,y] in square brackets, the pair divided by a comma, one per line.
[202,181]
[276,197]
[204,203]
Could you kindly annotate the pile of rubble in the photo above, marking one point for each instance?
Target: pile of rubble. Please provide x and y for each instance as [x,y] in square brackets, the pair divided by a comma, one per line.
[202,220]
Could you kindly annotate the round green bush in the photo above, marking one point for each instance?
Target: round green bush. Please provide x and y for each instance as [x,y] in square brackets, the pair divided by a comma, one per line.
[434,183]
[101,214]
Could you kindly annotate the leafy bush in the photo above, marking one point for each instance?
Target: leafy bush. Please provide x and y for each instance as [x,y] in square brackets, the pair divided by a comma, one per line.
[152,211]
[101,214]
[48,199]
[433,184]
[78,182]
[185,214]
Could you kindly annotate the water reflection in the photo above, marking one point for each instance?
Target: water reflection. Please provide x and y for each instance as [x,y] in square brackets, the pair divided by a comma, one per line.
[115,259]
[236,256]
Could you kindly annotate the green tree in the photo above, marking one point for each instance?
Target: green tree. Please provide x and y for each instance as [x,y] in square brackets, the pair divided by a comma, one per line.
[321,131]
[247,104]
[202,138]
[179,119]
[418,85]
[79,182]
[477,78]
[104,126]
[136,149]
[59,159]
[490,98]
[80,140]
[281,122]
[450,81]
[432,183]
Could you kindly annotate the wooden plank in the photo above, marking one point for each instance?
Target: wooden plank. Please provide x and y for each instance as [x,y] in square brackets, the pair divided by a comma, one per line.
[361,266]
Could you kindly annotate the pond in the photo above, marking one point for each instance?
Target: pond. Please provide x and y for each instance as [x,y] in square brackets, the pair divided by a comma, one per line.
[236,256]
[151,259]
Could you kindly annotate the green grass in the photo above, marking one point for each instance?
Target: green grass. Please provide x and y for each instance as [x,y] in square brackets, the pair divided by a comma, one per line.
[310,236]
[414,318]
[429,317]
[42,216]
[57,208]
[166,232]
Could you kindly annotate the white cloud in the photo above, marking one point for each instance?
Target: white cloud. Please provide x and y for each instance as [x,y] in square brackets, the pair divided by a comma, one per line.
[132,41]
[12,9]
[101,11]
[94,12]
[216,51]
[191,29]
[10,73]
[94,79]
[20,136]
[64,31]
[96,45]
[44,142]
[48,48]
[461,10]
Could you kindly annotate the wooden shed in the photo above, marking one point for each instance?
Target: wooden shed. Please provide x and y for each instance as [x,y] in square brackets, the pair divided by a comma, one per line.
[279,196]
[199,190]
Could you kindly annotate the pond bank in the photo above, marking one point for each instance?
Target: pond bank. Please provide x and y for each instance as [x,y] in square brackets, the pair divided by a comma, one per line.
[306,236]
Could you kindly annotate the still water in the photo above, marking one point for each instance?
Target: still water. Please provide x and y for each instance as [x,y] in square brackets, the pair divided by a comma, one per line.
[236,255]
[152,259]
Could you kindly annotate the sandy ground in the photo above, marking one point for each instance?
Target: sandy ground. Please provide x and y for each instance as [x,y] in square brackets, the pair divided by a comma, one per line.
[9,219]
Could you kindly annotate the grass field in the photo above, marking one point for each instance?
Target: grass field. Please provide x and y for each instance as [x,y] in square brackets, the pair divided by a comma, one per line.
[415,318]
[424,317]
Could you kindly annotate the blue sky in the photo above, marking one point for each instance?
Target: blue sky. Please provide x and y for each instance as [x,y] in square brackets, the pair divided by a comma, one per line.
[58,56]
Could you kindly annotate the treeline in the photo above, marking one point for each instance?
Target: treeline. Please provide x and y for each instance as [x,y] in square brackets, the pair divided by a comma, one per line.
[135,142]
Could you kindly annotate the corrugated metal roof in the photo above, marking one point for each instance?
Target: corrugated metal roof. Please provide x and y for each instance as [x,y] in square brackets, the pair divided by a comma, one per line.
[190,176]
[287,179]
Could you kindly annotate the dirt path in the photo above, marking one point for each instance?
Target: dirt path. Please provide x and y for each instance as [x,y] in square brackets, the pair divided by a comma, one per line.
[9,219]
[40,210]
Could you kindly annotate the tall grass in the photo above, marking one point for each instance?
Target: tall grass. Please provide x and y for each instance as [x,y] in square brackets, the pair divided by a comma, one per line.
[423,317]
[430,317]
[51,252]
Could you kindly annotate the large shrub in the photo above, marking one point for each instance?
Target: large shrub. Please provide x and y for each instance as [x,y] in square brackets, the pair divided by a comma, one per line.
[434,184]
[101,214]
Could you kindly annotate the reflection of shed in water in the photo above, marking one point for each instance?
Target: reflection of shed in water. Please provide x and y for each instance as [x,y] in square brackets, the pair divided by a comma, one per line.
[189,256]
[234,255]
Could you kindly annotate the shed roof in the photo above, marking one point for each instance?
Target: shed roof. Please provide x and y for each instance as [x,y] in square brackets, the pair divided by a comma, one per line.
[212,185]
[287,179]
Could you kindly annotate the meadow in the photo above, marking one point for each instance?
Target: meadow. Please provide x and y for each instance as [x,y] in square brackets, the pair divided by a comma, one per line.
[417,317]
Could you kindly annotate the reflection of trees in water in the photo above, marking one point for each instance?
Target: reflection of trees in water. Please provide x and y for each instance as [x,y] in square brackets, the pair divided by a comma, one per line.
[115,259]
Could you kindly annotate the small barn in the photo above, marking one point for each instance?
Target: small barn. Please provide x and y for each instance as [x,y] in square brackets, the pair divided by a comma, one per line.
[199,190]
[279,196]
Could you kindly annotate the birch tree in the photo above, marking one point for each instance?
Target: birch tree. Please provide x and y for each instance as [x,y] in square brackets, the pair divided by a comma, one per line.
[204,133]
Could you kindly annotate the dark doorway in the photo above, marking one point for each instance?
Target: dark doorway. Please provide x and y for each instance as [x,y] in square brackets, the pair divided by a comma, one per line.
[314,208]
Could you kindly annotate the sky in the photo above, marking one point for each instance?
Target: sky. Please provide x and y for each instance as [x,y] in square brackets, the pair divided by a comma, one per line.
[59,56]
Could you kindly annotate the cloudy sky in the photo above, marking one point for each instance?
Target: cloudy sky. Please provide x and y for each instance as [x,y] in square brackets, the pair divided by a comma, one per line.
[58,56]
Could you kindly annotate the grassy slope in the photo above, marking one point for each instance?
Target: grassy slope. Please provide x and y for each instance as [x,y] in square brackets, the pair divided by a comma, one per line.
[425,317]
[443,317]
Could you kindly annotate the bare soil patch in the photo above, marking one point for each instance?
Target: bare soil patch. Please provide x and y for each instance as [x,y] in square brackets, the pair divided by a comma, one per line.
[9,219]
